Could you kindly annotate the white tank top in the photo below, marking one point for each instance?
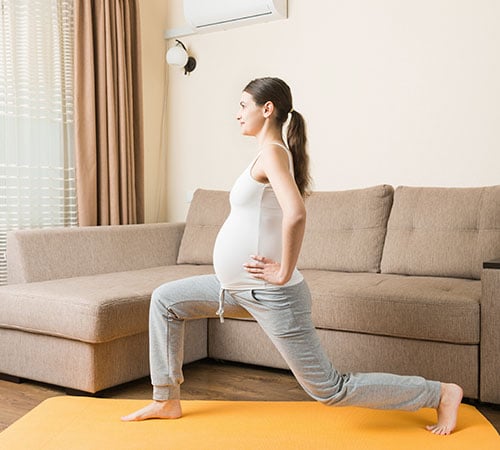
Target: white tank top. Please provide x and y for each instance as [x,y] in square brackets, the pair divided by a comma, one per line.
[253,227]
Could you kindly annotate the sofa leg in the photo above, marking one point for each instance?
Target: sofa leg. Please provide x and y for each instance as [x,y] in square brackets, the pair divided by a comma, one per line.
[77,393]
[11,378]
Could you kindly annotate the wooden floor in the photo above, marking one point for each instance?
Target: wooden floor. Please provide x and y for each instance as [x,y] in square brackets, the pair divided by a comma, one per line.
[204,380]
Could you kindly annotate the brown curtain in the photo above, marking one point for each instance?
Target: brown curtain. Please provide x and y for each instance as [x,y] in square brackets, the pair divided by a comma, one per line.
[108,113]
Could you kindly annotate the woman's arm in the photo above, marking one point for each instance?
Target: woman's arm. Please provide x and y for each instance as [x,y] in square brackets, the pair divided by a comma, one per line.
[273,165]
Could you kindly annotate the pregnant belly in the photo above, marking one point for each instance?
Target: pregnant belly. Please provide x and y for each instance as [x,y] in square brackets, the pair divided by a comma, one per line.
[236,241]
[242,236]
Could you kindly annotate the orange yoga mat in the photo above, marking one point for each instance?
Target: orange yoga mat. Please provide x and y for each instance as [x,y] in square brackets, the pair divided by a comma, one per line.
[88,423]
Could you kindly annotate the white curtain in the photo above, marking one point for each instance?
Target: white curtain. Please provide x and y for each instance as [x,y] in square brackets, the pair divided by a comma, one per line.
[37,175]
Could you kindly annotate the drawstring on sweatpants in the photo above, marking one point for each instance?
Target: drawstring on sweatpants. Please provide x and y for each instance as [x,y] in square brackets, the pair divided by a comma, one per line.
[220,311]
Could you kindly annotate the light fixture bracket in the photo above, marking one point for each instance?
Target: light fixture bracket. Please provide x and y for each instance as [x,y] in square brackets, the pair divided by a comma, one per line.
[191,62]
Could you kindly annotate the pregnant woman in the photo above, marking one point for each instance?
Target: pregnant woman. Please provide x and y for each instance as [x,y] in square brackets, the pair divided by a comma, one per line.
[255,258]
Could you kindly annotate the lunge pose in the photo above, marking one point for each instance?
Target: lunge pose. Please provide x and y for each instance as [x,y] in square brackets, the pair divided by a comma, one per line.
[255,258]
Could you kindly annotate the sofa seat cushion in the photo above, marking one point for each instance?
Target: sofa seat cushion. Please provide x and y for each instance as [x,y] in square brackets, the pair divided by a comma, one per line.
[429,308]
[94,309]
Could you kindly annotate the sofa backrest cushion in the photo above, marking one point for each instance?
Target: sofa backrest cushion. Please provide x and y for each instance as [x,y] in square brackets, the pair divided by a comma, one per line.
[207,213]
[53,253]
[345,230]
[445,232]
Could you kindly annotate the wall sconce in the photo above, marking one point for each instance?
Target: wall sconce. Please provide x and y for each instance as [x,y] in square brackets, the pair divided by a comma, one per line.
[178,56]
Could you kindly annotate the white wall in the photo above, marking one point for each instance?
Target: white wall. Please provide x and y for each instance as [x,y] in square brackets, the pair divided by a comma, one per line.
[154,15]
[402,92]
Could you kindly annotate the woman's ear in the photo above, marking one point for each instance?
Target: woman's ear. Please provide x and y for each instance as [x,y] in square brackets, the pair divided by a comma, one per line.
[268,109]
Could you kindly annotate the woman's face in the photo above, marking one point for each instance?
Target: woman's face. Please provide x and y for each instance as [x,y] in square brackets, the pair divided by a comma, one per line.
[250,116]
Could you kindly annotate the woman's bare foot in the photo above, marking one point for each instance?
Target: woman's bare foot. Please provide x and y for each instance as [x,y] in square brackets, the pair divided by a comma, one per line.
[447,410]
[168,409]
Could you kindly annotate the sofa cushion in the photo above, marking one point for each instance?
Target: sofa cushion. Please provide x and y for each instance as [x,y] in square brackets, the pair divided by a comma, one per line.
[345,230]
[48,254]
[428,308]
[445,232]
[207,213]
[94,309]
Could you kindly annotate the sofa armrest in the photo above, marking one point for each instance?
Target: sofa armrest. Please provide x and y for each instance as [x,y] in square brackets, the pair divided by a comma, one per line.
[490,333]
[53,253]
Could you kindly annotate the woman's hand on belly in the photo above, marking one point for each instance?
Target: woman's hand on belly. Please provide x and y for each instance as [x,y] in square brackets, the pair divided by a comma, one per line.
[265,269]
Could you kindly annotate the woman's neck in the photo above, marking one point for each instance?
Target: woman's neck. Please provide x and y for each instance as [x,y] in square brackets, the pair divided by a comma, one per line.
[268,136]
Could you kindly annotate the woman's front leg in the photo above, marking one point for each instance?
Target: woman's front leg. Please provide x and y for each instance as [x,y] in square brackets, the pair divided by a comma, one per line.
[172,304]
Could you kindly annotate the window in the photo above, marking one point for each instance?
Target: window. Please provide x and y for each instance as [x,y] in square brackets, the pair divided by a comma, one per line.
[37,170]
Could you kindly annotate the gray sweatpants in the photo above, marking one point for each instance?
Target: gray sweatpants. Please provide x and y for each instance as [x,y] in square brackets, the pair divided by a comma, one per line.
[285,315]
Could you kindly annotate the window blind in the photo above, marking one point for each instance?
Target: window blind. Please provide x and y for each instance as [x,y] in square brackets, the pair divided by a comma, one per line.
[37,170]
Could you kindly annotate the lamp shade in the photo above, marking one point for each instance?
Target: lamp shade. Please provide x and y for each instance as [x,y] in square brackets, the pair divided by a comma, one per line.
[177,56]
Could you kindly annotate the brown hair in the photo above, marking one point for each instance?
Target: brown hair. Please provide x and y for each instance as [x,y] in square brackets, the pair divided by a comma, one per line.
[278,92]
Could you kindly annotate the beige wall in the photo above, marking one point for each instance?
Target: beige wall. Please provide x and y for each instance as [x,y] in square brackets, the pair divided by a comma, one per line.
[154,15]
[394,91]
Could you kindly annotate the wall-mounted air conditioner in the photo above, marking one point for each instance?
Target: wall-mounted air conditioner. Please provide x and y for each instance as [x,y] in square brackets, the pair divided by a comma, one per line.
[210,15]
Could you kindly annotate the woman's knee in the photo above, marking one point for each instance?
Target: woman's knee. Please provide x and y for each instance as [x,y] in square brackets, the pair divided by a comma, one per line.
[162,298]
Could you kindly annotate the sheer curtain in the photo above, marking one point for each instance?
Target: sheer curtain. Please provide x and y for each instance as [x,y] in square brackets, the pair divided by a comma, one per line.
[37,170]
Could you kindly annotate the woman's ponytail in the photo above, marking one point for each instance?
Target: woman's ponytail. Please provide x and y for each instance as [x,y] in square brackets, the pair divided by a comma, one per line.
[297,141]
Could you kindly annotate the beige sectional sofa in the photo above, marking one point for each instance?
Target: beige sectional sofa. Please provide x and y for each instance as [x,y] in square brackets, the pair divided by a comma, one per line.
[396,276]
